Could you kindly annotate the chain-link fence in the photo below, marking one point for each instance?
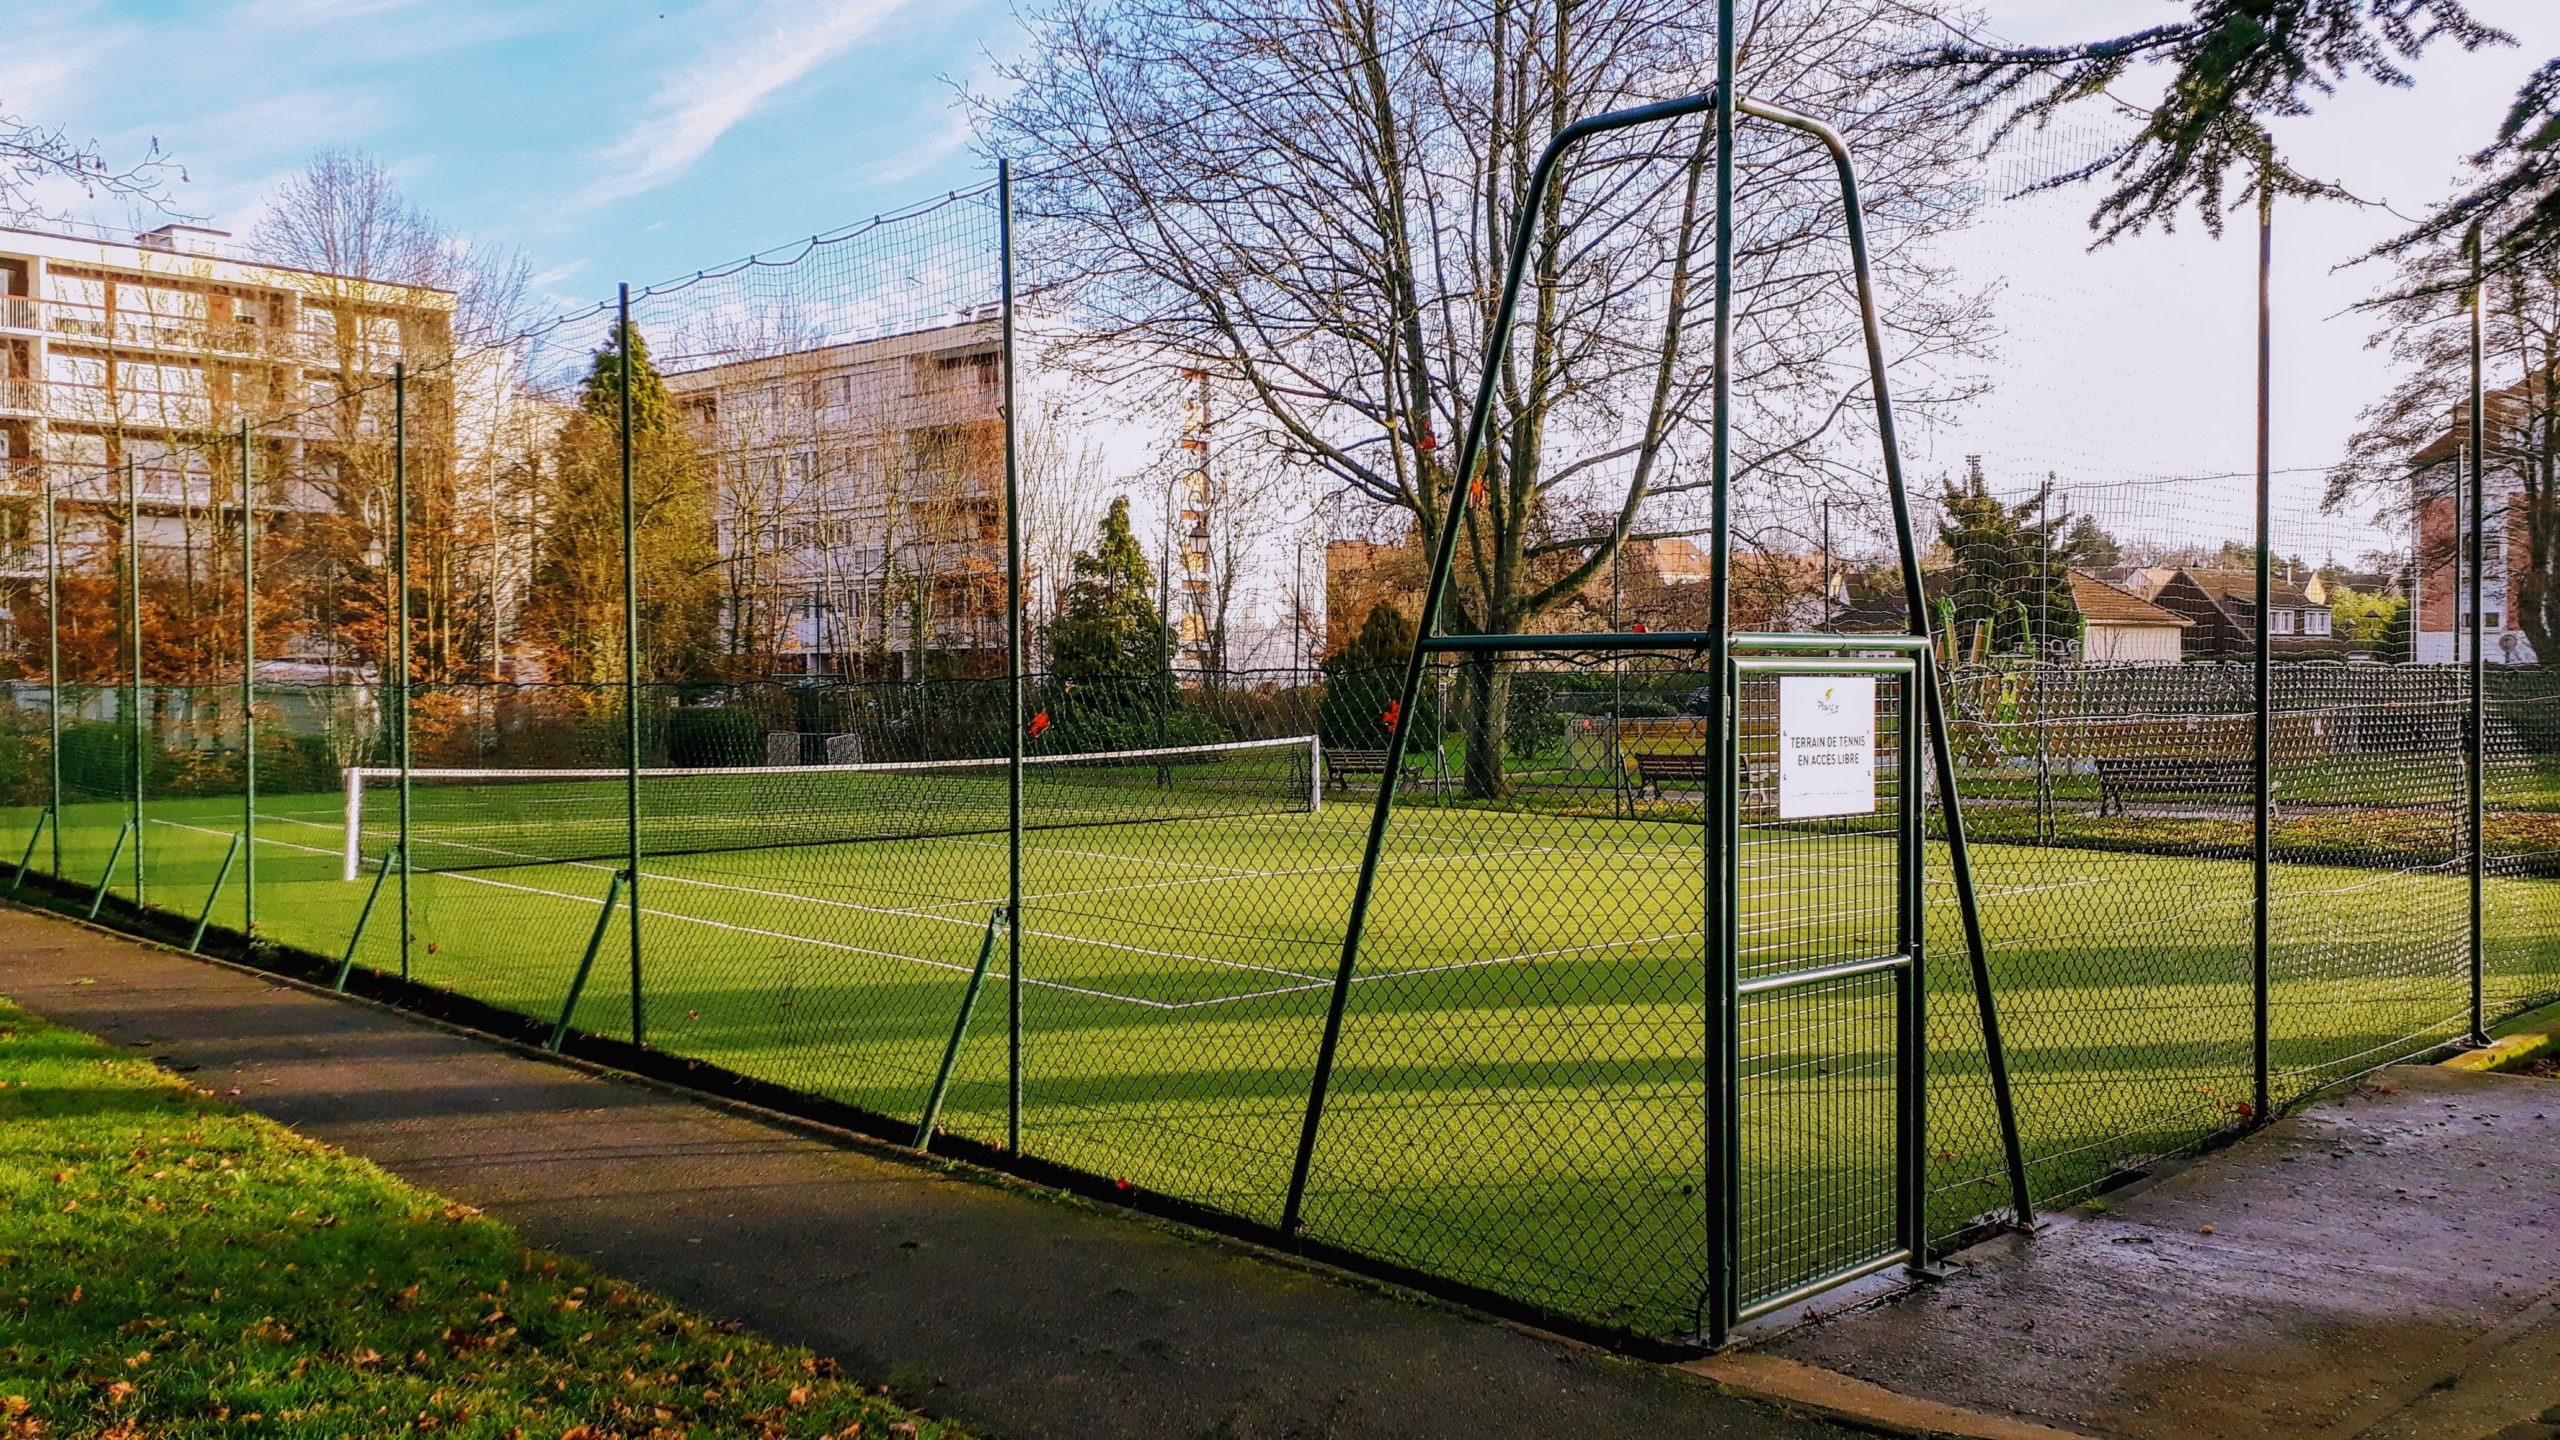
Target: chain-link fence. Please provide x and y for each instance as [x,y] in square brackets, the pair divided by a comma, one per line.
[733,677]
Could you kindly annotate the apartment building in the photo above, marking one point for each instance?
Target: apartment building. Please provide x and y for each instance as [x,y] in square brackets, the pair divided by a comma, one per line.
[860,502]
[2441,498]
[146,351]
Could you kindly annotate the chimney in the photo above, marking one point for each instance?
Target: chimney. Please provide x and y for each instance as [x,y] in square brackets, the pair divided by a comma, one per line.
[183,239]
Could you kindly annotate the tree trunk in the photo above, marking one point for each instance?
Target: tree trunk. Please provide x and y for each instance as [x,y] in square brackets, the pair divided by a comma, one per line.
[1486,689]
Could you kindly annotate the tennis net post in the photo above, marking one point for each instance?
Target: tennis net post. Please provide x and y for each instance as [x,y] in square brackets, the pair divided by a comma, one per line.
[353,780]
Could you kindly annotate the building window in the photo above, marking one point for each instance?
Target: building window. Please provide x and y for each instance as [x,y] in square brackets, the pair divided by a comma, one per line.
[2316,622]
[2282,623]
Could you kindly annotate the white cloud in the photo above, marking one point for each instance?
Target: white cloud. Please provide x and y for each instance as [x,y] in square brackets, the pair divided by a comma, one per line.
[950,132]
[727,80]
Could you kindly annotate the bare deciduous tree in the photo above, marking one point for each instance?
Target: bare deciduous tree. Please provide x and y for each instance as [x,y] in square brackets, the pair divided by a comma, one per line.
[369,250]
[1312,205]
[35,157]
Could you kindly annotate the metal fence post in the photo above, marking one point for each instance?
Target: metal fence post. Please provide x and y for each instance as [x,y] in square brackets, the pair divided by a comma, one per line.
[1435,589]
[630,662]
[2474,744]
[27,857]
[53,667]
[355,937]
[1934,707]
[959,1031]
[204,917]
[248,693]
[133,652]
[587,962]
[2262,754]
[1016,643]
[400,612]
[1722,1020]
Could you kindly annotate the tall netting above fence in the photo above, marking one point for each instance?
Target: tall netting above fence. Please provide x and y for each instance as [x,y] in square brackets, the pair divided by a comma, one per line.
[819,473]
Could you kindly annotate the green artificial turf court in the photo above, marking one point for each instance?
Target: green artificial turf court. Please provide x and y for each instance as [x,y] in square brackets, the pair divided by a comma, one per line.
[1518,1103]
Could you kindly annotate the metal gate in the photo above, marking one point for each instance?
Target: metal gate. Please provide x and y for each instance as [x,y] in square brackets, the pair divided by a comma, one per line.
[1821,1054]
[1815,1071]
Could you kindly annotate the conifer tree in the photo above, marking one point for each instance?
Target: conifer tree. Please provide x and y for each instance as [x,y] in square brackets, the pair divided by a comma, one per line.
[1107,625]
[576,603]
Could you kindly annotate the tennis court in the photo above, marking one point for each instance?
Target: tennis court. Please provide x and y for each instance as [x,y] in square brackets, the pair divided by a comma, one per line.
[1519,1101]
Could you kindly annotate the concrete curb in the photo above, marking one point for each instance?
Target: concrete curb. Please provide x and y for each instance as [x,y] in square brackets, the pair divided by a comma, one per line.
[2510,1051]
[1834,1396]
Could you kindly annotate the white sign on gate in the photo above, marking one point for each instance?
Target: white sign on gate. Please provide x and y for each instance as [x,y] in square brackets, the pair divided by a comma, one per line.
[1826,745]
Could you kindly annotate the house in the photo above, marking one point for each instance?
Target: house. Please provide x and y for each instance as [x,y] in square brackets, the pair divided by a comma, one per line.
[1360,575]
[2118,627]
[2222,604]
[2440,481]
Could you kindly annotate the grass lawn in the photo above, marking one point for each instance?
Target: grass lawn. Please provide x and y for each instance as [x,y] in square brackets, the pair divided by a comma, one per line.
[1519,1101]
[171,1266]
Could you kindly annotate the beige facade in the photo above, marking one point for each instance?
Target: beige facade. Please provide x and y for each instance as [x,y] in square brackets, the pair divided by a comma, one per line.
[147,352]
[860,493]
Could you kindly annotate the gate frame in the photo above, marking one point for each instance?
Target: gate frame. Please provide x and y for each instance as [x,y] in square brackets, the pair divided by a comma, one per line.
[1784,655]
[1717,643]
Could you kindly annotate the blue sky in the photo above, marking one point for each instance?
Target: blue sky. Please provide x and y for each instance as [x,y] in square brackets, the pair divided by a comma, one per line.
[609,141]
[637,142]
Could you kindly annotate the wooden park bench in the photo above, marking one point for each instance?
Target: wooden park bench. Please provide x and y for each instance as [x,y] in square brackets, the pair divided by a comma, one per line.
[1344,764]
[1653,772]
[2122,777]
[1658,771]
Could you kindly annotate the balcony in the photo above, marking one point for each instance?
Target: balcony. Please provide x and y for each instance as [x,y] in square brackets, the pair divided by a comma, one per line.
[21,396]
[81,325]
[17,312]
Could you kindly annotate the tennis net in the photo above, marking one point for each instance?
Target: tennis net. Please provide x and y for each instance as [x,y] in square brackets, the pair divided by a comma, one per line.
[470,819]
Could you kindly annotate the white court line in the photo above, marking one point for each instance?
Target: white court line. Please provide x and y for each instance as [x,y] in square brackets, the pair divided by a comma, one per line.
[1436,969]
[662,879]
[1046,896]
[1314,982]
[2003,892]
[583,900]
[1093,854]
[895,912]
[1277,874]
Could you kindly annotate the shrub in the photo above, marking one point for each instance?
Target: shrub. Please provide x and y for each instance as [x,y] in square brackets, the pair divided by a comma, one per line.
[713,735]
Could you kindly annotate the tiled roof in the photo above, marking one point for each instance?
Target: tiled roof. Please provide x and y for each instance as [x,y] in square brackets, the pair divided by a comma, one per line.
[2106,604]
[2225,586]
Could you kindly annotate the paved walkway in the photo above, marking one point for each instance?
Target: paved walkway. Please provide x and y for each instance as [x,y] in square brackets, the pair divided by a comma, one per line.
[2383,1264]
[1004,1308]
